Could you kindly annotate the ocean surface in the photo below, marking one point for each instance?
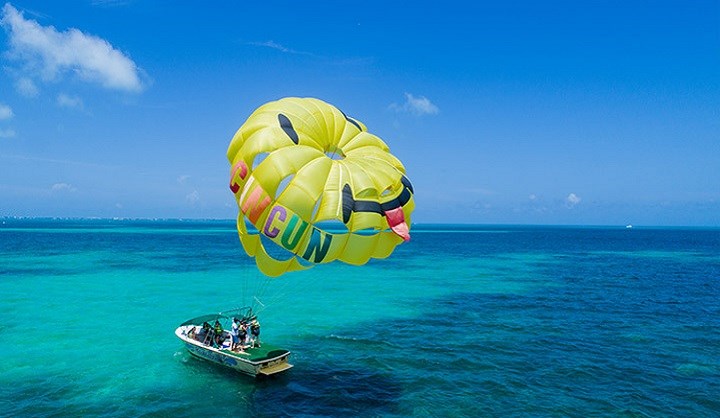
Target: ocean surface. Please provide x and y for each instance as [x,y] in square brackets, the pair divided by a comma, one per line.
[463,321]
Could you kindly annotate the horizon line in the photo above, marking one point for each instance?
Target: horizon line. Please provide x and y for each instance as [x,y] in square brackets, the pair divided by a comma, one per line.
[414,224]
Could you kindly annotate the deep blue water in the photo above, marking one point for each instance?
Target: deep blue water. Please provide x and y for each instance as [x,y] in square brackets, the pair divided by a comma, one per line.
[462,321]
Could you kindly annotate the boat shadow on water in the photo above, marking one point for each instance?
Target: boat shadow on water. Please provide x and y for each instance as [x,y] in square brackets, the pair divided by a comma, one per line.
[332,386]
[332,390]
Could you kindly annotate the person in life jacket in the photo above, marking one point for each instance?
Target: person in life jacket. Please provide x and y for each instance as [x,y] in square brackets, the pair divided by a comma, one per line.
[255,331]
[242,334]
[219,337]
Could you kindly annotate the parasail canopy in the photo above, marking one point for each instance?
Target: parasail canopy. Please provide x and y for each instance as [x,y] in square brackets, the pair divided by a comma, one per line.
[317,187]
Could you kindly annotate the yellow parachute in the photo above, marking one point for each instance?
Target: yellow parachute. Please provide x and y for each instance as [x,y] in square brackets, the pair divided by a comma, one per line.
[314,182]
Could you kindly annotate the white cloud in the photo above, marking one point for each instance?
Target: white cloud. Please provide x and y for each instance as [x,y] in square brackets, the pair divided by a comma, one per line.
[572,200]
[273,45]
[5,112]
[416,105]
[110,2]
[477,205]
[183,179]
[279,47]
[63,187]
[26,87]
[63,100]
[49,53]
[193,197]
[7,133]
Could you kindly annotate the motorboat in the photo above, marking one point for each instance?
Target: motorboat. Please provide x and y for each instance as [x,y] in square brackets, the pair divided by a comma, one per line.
[209,337]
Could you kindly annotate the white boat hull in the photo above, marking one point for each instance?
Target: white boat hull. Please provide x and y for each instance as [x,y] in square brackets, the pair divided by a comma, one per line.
[254,361]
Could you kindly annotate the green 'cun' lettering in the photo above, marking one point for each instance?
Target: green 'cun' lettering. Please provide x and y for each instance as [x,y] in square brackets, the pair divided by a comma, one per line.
[319,244]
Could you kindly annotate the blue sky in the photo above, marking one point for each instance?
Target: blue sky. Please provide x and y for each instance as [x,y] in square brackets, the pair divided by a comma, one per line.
[554,112]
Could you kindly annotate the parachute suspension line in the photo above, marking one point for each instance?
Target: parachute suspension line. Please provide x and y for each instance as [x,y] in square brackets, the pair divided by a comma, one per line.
[255,288]
[261,297]
[257,306]
[243,280]
[294,284]
[278,294]
[262,287]
[245,283]
[251,284]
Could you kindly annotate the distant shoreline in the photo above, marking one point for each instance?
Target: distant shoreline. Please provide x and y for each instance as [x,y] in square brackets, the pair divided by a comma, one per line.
[6,221]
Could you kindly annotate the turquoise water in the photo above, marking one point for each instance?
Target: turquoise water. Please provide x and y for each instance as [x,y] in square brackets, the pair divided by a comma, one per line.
[462,321]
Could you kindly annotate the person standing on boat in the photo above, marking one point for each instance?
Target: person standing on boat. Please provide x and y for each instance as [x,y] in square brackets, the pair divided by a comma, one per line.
[234,332]
[218,334]
[242,334]
[255,331]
